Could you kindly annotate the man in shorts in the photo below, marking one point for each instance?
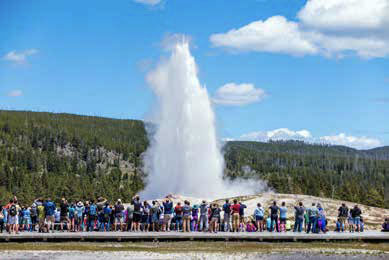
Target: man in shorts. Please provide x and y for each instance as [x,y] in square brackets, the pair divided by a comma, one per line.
[64,208]
[168,214]
[50,211]
[119,214]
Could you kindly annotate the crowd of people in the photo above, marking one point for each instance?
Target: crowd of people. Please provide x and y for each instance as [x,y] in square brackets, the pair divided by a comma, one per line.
[143,216]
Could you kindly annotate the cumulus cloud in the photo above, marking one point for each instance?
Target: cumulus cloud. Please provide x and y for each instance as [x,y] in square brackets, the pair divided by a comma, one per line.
[19,57]
[277,134]
[238,94]
[148,2]
[275,34]
[325,27]
[15,93]
[361,142]
[338,15]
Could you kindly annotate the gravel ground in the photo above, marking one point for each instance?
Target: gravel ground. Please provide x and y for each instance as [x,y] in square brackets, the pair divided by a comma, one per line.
[81,255]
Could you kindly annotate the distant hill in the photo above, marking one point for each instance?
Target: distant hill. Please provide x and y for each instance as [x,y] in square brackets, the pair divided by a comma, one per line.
[47,154]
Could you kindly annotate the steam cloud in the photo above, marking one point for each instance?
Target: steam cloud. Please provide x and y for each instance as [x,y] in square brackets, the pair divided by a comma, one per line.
[184,156]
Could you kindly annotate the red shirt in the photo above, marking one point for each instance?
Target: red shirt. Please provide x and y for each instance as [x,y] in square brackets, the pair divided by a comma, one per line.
[235,208]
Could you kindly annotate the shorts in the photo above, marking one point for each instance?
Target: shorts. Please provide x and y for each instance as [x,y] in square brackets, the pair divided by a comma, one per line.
[26,221]
[154,219]
[145,219]
[119,219]
[235,217]
[215,220]
[357,220]
[50,219]
[136,217]
[258,218]
[64,219]
[167,218]
[282,220]
[12,220]
[186,217]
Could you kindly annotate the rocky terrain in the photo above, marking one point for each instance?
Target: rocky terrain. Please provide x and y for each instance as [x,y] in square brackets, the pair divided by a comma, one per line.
[373,216]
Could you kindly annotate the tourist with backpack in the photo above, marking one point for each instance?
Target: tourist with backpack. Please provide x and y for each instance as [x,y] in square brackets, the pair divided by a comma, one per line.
[195,218]
[312,213]
[154,213]
[178,214]
[13,218]
[299,217]
[356,216]
[342,216]
[119,215]
[259,213]
[215,216]
[137,212]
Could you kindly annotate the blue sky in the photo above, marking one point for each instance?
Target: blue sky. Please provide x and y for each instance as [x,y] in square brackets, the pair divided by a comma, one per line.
[293,72]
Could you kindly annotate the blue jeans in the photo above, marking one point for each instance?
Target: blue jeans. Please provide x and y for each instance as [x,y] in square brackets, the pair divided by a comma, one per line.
[312,225]
[203,223]
[298,225]
[178,223]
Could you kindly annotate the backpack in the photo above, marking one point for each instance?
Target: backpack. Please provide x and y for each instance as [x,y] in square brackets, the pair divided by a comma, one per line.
[12,210]
[227,208]
[93,210]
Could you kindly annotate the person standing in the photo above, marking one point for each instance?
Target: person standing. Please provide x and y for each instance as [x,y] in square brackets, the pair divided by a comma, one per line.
[356,215]
[299,217]
[203,225]
[64,208]
[259,213]
[235,209]
[50,211]
[168,214]
[274,216]
[137,213]
[312,213]
[227,216]
[92,216]
[283,216]
[187,214]
[179,214]
[342,216]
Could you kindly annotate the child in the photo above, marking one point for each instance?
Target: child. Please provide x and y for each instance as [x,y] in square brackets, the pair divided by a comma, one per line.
[26,219]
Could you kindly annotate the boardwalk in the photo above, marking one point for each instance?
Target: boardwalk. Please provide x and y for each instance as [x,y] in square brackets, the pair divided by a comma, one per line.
[368,236]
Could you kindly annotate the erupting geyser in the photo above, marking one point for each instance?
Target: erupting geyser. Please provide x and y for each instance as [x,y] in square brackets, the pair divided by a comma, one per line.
[184,156]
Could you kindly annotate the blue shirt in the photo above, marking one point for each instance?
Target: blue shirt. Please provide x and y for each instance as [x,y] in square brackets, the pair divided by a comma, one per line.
[168,207]
[283,211]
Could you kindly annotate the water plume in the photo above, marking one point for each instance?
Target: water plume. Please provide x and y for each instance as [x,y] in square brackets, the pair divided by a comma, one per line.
[184,156]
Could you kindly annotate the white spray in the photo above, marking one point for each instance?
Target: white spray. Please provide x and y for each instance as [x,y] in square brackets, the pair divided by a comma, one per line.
[184,155]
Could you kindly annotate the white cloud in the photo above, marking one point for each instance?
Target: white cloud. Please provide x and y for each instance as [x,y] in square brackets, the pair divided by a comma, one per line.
[277,134]
[19,57]
[238,94]
[148,2]
[275,34]
[345,14]
[362,142]
[326,27]
[15,93]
